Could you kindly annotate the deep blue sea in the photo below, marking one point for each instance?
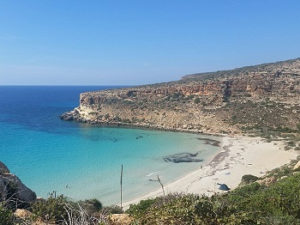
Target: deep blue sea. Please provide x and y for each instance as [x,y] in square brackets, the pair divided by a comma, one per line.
[82,161]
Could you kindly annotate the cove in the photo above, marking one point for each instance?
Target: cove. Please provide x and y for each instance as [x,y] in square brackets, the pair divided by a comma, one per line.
[82,161]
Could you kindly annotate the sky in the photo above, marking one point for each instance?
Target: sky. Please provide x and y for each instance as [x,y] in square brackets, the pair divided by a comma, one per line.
[110,42]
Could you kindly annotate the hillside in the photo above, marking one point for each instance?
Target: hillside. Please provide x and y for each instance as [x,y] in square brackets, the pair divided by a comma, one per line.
[265,96]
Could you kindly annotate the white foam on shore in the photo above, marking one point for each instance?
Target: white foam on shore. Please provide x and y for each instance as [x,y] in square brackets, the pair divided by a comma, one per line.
[151,174]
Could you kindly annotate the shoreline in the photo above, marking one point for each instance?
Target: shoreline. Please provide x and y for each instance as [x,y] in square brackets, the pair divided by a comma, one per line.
[145,127]
[238,156]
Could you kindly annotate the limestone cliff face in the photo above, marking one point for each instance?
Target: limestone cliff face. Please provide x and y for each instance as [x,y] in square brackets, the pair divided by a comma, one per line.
[219,102]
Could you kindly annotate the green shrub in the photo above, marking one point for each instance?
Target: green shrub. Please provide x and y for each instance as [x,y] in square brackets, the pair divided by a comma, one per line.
[51,209]
[6,216]
[91,206]
[247,179]
[54,209]
[113,209]
[141,207]
[280,200]
[176,95]
[191,209]
[247,205]
[291,143]
[197,100]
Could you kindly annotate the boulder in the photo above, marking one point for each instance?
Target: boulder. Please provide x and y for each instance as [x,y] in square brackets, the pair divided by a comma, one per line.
[267,181]
[70,116]
[297,166]
[67,116]
[120,219]
[223,187]
[13,191]
[283,177]
[23,214]
[248,179]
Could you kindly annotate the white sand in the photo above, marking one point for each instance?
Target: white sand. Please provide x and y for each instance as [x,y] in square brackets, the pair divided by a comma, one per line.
[239,156]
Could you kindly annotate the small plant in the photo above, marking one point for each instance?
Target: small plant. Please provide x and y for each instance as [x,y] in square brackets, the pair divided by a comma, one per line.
[59,210]
[113,209]
[76,215]
[176,95]
[298,127]
[247,179]
[51,209]
[140,208]
[91,206]
[106,116]
[197,100]
[6,216]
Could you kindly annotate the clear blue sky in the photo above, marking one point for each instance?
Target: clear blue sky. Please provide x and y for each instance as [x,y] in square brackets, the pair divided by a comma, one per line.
[82,42]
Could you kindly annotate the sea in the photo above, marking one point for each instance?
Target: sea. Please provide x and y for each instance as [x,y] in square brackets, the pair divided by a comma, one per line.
[82,161]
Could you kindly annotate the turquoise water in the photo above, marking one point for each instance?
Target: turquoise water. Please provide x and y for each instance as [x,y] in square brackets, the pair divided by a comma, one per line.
[83,161]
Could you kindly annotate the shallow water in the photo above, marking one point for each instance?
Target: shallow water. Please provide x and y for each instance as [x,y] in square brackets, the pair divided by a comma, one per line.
[83,161]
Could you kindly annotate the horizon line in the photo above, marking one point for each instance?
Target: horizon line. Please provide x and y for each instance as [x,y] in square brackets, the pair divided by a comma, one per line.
[70,85]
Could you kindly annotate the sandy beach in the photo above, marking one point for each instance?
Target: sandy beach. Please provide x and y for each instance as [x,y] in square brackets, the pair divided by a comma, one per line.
[238,156]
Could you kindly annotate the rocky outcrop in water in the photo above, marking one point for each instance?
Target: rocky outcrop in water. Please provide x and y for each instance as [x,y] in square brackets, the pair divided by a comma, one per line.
[13,191]
[183,158]
[231,101]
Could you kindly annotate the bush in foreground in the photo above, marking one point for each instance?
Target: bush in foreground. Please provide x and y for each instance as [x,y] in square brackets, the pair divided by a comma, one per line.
[6,216]
[276,204]
[60,210]
[248,179]
[51,209]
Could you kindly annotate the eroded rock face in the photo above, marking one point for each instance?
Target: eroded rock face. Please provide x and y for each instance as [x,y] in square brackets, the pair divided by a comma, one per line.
[12,190]
[70,116]
[3,168]
[219,102]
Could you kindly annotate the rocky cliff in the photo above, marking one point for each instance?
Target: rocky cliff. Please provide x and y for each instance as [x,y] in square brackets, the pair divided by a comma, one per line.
[12,191]
[231,101]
